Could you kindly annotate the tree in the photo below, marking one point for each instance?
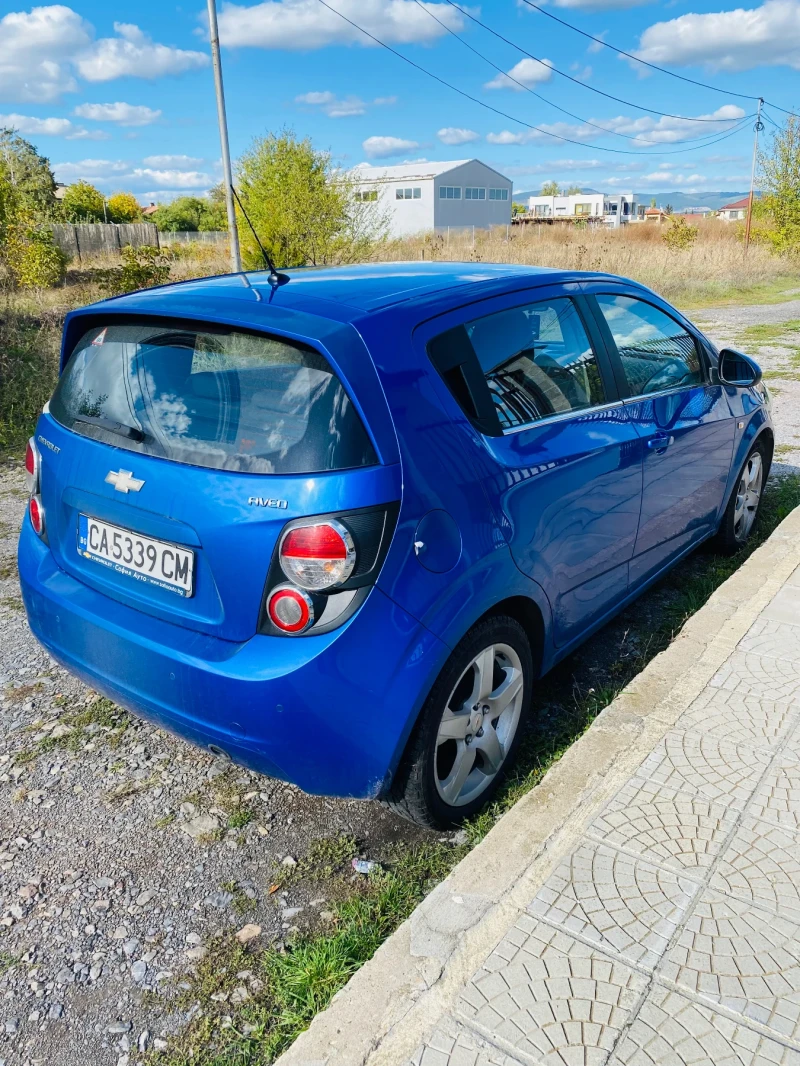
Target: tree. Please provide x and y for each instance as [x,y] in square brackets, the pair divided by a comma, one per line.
[82,202]
[574,190]
[680,236]
[31,181]
[188,214]
[779,179]
[216,215]
[652,201]
[550,188]
[517,208]
[304,210]
[668,209]
[124,207]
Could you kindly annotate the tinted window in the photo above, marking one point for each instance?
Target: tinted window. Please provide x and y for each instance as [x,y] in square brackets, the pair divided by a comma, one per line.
[536,360]
[221,399]
[656,352]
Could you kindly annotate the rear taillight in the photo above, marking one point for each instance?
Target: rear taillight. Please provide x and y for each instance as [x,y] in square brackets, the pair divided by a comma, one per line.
[318,556]
[331,562]
[32,463]
[36,512]
[290,609]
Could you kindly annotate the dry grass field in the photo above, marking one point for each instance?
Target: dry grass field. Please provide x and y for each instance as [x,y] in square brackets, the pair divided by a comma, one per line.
[714,269]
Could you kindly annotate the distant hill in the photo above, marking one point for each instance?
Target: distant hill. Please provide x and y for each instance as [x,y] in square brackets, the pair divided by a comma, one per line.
[679,200]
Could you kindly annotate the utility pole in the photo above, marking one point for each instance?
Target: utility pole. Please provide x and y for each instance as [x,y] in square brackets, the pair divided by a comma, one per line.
[757,129]
[213,30]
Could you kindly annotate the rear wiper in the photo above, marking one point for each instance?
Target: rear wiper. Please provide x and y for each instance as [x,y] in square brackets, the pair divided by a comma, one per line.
[121,430]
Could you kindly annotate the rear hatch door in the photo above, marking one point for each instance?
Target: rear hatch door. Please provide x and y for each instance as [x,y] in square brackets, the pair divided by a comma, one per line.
[187,446]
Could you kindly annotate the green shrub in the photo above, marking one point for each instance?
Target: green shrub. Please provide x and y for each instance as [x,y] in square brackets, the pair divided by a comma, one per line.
[680,235]
[33,259]
[141,268]
[29,348]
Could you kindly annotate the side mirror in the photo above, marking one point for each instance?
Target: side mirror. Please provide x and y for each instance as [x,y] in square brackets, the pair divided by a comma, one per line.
[736,368]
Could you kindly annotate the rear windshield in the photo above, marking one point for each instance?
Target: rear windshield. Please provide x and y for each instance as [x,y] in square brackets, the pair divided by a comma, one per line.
[215,398]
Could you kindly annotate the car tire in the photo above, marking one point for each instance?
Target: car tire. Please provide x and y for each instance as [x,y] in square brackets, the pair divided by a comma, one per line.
[459,751]
[743,507]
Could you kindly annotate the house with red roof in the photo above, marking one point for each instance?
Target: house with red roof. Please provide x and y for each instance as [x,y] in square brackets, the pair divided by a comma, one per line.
[735,212]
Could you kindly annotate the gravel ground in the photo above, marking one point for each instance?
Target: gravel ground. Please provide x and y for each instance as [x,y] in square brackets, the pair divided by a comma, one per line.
[778,358]
[122,849]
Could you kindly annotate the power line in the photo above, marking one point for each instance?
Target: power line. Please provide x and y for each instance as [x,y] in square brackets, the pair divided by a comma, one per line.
[783,109]
[519,121]
[546,100]
[636,59]
[577,81]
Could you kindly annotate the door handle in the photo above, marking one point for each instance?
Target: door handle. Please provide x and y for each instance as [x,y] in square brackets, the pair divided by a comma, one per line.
[659,444]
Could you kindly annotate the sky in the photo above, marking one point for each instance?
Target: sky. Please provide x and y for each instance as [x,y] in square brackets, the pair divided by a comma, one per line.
[130,105]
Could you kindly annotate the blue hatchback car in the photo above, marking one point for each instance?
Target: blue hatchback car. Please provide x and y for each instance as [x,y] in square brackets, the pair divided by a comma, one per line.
[335,528]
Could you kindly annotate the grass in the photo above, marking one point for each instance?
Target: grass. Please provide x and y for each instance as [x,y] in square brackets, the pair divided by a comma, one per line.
[101,718]
[296,981]
[293,985]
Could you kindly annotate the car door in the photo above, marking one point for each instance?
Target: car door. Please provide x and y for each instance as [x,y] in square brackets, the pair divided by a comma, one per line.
[683,420]
[563,469]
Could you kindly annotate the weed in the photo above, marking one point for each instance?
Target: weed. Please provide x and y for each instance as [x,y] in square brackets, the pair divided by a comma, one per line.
[11,603]
[241,902]
[326,857]
[25,756]
[241,817]
[7,961]
[164,821]
[23,692]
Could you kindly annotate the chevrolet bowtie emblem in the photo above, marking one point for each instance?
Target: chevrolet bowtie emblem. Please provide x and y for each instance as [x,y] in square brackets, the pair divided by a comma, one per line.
[123,480]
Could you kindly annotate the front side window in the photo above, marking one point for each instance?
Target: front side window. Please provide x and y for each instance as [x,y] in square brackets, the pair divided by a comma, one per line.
[366,196]
[498,194]
[449,192]
[656,352]
[583,209]
[541,210]
[214,398]
[474,194]
[537,361]
[408,194]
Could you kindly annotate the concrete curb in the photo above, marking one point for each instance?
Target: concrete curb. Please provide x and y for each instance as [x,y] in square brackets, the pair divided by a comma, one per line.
[381,1016]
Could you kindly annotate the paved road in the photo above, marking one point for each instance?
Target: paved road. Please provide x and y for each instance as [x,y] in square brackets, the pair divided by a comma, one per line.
[670,933]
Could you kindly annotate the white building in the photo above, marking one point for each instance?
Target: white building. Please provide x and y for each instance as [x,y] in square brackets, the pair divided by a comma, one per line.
[735,212]
[613,209]
[437,196]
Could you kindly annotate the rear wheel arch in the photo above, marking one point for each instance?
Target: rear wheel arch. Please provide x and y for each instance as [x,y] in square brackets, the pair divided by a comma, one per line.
[525,611]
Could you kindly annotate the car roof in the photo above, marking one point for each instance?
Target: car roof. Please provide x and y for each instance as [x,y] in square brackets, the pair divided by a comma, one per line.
[362,288]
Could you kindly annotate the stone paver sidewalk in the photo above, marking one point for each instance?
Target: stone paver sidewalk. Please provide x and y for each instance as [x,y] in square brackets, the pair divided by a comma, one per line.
[641,907]
[671,933]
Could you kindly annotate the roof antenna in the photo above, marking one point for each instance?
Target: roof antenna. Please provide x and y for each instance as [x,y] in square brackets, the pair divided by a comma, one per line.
[273,277]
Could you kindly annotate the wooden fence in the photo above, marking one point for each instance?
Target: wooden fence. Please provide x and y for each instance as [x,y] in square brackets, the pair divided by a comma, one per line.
[92,239]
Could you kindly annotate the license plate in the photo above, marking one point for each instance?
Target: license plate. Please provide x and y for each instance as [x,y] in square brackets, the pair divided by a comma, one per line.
[153,562]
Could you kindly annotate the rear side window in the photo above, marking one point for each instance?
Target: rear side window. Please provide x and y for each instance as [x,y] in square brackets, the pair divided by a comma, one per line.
[655,351]
[537,361]
[223,399]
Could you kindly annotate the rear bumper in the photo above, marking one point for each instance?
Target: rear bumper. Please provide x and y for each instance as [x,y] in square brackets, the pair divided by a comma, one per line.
[329,713]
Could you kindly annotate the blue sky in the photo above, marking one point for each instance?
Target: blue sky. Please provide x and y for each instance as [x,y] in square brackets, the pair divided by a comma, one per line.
[130,104]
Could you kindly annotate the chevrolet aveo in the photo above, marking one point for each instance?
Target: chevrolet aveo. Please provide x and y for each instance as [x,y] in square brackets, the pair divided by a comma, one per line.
[334,525]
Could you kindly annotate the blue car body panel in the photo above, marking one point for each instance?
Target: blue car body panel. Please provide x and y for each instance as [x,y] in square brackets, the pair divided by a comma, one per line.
[572,518]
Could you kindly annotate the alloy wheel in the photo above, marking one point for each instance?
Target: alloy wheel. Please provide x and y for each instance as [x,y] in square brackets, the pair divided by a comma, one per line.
[748,496]
[478,725]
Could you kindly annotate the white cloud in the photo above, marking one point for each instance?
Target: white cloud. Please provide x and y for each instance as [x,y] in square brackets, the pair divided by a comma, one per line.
[35,49]
[333,106]
[599,5]
[89,170]
[728,40]
[641,131]
[122,114]
[304,25]
[41,49]
[527,72]
[172,179]
[133,54]
[453,135]
[167,161]
[29,126]
[384,147]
